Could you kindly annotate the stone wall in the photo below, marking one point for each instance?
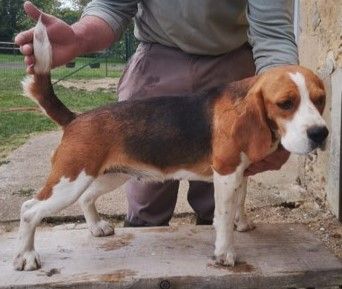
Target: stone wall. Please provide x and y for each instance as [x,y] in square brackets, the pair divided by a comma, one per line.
[320,49]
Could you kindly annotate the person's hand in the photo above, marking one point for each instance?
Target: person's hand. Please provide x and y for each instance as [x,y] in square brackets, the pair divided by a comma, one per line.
[62,37]
[272,162]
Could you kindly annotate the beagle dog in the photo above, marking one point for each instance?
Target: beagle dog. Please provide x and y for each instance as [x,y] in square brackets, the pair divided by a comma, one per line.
[212,137]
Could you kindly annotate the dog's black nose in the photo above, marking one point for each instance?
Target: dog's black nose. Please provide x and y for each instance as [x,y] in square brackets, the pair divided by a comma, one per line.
[317,134]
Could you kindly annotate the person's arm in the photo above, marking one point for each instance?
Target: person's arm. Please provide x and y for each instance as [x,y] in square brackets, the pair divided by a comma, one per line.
[117,14]
[271,33]
[102,24]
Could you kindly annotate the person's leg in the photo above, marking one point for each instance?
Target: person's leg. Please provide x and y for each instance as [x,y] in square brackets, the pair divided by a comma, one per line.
[201,199]
[150,204]
[154,70]
[210,72]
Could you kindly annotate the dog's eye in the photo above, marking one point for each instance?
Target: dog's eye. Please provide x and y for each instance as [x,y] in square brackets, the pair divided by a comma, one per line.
[286,104]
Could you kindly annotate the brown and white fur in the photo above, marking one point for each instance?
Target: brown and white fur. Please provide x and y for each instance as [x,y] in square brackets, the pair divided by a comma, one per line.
[213,137]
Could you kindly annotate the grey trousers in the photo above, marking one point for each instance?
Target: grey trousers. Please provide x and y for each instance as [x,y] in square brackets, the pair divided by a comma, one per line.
[157,70]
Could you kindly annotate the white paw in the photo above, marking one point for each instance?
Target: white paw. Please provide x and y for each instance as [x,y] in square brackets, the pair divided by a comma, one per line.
[244,225]
[27,261]
[101,228]
[226,259]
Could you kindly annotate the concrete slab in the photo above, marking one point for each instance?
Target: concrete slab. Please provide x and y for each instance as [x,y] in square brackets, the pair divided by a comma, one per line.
[272,256]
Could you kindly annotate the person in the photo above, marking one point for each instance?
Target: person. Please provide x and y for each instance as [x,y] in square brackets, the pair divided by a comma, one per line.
[185,47]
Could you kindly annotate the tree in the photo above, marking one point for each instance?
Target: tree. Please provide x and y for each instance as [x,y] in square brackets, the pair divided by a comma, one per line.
[9,14]
[13,18]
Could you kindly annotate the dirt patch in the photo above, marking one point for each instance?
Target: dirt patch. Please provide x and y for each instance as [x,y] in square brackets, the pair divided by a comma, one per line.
[316,217]
[49,273]
[313,213]
[21,109]
[52,272]
[169,229]
[118,275]
[240,267]
[117,242]
[107,84]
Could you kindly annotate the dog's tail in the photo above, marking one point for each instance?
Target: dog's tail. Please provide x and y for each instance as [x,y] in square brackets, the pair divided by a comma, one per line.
[38,87]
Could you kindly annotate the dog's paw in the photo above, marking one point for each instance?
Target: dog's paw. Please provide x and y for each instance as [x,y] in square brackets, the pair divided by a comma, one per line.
[27,261]
[244,225]
[101,228]
[225,256]
[226,259]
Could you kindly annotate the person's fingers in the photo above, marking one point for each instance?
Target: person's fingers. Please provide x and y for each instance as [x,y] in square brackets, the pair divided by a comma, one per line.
[248,173]
[278,158]
[29,69]
[34,13]
[29,60]
[26,49]
[272,162]
[24,37]
[254,168]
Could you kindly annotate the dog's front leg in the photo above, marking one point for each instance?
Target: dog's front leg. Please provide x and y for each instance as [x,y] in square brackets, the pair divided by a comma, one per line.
[226,188]
[242,222]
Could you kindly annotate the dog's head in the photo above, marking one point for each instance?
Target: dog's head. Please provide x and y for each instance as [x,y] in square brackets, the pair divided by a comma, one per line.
[293,101]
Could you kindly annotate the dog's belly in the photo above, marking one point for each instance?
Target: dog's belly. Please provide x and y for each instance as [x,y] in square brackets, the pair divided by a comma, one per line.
[189,176]
[159,176]
[155,176]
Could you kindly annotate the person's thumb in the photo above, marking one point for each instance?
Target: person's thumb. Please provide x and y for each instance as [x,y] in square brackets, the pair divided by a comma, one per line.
[34,13]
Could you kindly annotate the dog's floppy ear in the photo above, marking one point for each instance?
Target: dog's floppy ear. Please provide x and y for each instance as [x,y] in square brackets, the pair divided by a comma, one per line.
[251,129]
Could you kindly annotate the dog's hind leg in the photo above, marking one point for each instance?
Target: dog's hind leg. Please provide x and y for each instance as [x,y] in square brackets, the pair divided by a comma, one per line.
[101,185]
[58,193]
[242,222]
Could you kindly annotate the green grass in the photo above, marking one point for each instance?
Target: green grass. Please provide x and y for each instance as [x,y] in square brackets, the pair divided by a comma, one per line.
[11,57]
[17,126]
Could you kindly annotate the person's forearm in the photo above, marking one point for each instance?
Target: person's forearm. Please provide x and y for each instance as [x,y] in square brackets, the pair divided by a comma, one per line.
[93,34]
[271,33]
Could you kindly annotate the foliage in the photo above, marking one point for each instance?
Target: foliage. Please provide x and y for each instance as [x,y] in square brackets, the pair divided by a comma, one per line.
[9,16]
[13,18]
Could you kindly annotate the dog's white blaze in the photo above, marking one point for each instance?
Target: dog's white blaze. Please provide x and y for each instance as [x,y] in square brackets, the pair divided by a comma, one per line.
[42,49]
[295,139]
[226,200]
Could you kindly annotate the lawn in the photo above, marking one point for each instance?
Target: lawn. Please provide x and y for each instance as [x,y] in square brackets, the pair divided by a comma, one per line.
[18,117]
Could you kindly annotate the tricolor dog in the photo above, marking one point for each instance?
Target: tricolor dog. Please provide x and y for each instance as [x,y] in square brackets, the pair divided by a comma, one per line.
[212,137]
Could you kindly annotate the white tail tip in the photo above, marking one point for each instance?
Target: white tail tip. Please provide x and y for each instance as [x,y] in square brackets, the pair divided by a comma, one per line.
[42,49]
